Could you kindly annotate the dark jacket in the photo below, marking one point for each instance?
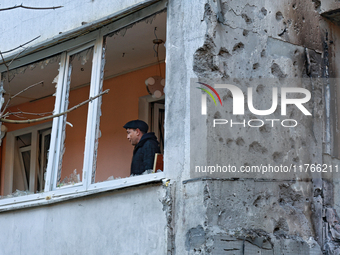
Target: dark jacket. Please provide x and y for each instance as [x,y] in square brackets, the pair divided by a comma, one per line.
[144,153]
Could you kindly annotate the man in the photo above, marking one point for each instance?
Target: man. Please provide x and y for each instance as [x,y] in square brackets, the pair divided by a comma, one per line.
[146,145]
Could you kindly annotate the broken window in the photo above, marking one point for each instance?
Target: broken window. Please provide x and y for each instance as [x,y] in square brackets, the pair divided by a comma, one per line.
[131,58]
[77,87]
[30,154]
[28,94]
[75,150]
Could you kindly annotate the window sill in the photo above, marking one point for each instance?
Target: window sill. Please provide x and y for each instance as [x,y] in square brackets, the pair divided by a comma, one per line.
[46,198]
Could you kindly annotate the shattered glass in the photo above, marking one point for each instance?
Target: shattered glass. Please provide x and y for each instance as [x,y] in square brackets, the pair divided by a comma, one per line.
[70,169]
[28,95]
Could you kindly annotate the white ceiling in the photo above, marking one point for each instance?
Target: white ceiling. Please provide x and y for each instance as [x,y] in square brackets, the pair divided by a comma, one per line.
[127,50]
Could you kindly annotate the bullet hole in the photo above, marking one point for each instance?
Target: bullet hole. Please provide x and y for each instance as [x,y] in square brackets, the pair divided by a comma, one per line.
[245,32]
[296,52]
[294,6]
[257,148]
[317,3]
[255,66]
[260,89]
[265,129]
[229,142]
[264,11]
[257,200]
[277,157]
[246,18]
[294,63]
[224,52]
[296,160]
[276,71]
[279,16]
[281,227]
[217,115]
[240,141]
[238,47]
[263,53]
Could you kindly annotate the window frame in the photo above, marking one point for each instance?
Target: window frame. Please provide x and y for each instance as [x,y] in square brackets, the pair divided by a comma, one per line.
[52,193]
[10,149]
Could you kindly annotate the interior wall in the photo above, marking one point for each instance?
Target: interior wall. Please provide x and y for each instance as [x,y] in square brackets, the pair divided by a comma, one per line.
[118,107]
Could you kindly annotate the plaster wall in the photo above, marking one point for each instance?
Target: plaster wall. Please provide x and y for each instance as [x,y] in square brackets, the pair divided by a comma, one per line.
[90,225]
[72,15]
[326,6]
[261,44]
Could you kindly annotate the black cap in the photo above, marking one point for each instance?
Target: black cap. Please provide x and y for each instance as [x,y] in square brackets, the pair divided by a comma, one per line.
[141,125]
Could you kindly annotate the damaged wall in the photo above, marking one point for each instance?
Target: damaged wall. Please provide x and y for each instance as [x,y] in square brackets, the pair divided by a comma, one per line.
[261,44]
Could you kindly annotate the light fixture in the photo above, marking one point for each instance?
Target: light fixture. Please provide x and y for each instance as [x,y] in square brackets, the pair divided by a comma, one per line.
[155,84]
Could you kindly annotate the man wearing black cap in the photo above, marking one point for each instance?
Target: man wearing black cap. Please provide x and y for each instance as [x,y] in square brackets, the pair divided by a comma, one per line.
[146,145]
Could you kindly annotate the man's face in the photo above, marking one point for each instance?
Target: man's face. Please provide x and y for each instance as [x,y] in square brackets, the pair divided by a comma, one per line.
[133,135]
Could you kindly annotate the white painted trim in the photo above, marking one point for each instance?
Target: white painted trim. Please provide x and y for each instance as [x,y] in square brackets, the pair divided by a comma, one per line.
[144,112]
[156,108]
[92,112]
[81,48]
[10,151]
[22,165]
[61,100]
[60,195]
[9,163]
[33,160]
[53,151]
[42,158]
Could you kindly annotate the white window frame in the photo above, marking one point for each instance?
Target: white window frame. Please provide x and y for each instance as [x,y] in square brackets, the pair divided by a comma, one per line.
[52,193]
[10,151]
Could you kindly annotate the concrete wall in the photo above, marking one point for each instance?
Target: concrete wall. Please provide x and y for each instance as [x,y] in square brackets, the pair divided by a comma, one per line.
[131,221]
[261,44]
[22,25]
